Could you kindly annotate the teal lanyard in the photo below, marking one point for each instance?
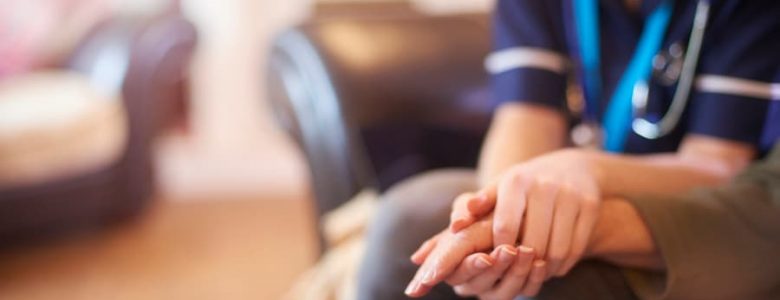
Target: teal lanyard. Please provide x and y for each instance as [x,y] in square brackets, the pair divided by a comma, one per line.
[618,116]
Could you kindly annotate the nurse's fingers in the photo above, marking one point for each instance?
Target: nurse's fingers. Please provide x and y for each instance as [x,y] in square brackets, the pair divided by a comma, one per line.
[484,201]
[510,208]
[541,206]
[504,256]
[536,279]
[564,218]
[471,266]
[583,229]
[514,280]
[460,217]
[466,210]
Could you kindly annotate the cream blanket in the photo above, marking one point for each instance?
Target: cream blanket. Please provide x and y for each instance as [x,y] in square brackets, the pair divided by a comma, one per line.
[334,277]
[55,125]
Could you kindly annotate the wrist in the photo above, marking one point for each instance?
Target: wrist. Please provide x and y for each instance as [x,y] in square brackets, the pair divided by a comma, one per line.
[600,232]
[620,231]
[598,163]
[595,163]
[605,237]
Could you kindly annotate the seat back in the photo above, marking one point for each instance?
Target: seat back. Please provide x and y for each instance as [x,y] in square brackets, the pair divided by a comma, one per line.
[373,98]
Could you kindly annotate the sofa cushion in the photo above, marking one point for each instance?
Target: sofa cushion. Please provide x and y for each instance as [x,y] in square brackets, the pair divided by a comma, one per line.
[54,125]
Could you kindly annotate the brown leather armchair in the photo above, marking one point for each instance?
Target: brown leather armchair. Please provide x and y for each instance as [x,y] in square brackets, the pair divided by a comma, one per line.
[145,59]
[373,95]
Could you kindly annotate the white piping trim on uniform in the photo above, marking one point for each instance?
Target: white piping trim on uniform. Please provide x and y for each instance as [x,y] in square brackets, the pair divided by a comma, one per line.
[525,57]
[738,87]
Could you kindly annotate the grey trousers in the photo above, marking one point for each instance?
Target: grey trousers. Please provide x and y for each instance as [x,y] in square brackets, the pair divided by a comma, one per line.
[418,208]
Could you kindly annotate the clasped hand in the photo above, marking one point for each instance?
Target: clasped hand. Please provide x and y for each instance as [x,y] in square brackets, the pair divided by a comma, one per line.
[508,238]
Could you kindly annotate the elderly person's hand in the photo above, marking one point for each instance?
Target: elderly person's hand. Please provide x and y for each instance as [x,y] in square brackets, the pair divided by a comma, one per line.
[551,202]
[440,256]
[457,259]
[522,277]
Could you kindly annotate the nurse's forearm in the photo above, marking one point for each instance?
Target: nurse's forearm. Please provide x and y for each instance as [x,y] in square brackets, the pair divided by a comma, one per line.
[519,132]
[700,162]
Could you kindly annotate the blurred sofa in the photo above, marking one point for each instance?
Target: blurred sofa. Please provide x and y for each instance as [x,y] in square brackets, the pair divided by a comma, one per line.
[375,93]
[145,61]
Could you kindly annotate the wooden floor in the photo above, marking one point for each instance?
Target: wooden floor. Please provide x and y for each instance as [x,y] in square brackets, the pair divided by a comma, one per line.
[226,249]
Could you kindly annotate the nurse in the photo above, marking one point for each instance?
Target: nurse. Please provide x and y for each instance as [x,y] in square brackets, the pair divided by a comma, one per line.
[627,59]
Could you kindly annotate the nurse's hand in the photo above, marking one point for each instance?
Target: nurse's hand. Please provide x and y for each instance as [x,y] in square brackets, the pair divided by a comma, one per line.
[553,199]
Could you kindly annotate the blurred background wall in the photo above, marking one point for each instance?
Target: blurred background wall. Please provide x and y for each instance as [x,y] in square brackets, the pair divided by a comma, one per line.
[233,135]
[231,216]
[233,143]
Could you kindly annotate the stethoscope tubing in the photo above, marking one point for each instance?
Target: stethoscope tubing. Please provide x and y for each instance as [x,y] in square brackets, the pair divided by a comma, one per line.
[650,130]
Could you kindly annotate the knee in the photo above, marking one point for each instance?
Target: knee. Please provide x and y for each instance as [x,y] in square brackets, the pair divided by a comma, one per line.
[422,203]
[409,213]
[588,280]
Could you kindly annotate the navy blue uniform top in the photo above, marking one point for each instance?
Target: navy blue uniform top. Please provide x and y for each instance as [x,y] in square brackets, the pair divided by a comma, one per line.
[772,127]
[734,97]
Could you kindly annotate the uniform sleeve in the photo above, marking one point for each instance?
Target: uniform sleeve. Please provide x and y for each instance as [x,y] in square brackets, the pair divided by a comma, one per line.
[717,243]
[528,62]
[739,62]
[771,134]
[772,128]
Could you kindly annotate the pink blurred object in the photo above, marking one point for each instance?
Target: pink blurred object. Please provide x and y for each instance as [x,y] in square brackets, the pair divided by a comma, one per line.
[143,60]
[34,33]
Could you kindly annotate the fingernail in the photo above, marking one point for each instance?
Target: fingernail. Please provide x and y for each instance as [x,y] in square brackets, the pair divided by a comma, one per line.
[412,288]
[525,249]
[416,260]
[472,207]
[457,225]
[475,198]
[508,252]
[429,277]
[478,200]
[482,263]
[539,263]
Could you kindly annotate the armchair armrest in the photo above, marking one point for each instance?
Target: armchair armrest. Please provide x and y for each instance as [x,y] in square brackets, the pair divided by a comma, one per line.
[146,60]
[143,60]
[372,99]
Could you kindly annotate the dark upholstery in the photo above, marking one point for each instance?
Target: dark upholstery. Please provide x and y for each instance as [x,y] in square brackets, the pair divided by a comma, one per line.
[374,97]
[146,60]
